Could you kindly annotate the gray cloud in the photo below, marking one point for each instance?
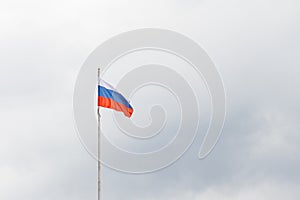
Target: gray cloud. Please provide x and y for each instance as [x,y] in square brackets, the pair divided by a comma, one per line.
[254,44]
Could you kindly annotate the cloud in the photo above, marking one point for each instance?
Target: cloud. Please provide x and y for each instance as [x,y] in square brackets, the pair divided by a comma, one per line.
[255,46]
[261,191]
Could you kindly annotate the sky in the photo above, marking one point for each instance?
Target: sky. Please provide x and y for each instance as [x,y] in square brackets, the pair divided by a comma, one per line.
[255,46]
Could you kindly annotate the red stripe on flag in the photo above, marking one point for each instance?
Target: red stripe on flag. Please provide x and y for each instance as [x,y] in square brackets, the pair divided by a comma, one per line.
[109,103]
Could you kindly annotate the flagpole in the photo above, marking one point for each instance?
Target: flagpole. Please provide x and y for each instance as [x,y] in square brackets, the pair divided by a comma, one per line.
[99,147]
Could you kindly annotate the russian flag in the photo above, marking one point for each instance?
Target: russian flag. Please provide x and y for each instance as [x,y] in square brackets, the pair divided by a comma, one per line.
[108,97]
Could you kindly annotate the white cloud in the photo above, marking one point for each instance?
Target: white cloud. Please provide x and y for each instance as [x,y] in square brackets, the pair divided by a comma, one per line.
[255,46]
[261,191]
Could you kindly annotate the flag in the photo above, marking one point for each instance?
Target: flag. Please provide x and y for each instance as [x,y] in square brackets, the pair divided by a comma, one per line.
[108,97]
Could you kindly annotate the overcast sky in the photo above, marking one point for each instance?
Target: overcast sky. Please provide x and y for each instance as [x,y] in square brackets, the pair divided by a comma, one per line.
[255,46]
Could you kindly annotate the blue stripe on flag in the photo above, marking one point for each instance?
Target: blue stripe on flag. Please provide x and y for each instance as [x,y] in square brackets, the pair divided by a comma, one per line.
[117,97]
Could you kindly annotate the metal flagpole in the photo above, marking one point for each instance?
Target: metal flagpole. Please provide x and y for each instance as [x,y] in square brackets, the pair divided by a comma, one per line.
[99,146]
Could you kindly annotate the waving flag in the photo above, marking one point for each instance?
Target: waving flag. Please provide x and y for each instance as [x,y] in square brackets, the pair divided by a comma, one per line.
[108,97]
